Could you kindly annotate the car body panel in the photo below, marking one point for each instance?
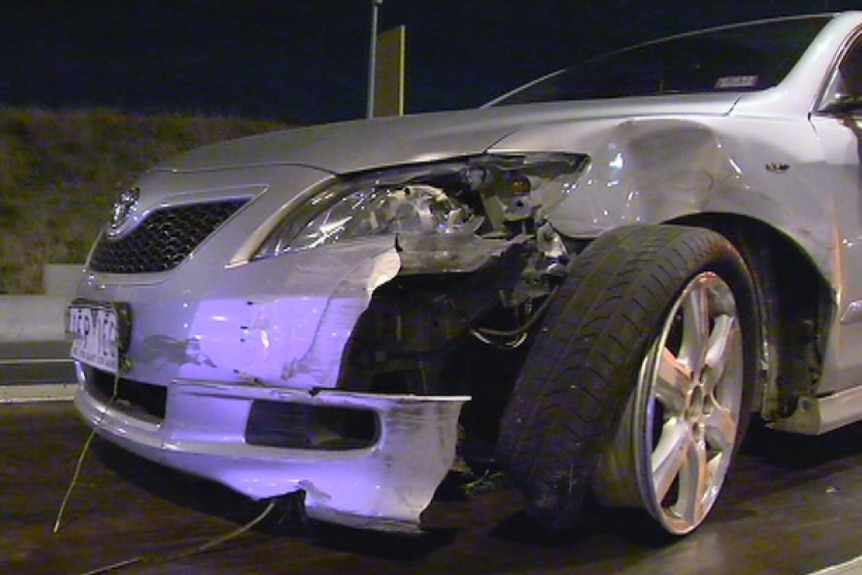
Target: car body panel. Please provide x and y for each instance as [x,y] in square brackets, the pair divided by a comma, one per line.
[357,146]
[385,486]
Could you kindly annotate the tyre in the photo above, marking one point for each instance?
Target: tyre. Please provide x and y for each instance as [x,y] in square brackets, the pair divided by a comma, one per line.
[638,388]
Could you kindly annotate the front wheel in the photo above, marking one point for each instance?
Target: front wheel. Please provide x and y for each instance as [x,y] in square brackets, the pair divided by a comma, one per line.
[640,384]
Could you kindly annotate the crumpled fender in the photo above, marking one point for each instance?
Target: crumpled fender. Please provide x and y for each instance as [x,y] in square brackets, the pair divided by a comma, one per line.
[658,169]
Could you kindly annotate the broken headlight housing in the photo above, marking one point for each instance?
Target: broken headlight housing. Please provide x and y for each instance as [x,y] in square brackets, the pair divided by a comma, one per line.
[433,207]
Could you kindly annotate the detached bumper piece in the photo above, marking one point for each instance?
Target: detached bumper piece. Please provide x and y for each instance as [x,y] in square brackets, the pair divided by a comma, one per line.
[362,460]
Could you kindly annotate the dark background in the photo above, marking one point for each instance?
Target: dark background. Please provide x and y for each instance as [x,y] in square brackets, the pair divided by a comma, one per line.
[306,61]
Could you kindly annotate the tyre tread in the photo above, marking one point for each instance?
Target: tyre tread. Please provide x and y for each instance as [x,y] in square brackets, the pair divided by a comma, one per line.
[575,378]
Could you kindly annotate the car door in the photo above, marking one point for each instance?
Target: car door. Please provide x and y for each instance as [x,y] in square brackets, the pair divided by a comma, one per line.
[838,122]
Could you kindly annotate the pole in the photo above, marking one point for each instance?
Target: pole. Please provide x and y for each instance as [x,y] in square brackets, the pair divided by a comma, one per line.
[372,57]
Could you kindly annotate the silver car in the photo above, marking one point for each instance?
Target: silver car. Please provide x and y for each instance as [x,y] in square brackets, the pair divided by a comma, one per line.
[594,281]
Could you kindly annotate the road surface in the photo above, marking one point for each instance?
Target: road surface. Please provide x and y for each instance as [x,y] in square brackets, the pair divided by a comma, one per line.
[793,506]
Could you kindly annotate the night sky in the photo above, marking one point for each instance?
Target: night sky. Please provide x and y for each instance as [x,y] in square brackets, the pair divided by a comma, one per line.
[305,61]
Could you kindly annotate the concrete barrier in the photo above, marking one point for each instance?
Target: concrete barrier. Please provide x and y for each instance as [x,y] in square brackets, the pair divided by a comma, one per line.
[40,317]
[32,318]
[34,353]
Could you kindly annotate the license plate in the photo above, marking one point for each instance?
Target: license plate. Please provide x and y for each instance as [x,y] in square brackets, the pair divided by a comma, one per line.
[99,332]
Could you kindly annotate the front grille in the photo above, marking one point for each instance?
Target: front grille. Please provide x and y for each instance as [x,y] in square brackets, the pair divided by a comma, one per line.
[162,240]
[143,400]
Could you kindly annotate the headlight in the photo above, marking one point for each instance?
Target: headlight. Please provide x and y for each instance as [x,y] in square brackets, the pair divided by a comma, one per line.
[486,195]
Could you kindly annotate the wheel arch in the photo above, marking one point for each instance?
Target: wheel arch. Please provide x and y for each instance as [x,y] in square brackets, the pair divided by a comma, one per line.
[795,303]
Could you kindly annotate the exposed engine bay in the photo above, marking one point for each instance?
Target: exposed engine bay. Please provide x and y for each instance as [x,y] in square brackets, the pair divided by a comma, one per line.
[479,261]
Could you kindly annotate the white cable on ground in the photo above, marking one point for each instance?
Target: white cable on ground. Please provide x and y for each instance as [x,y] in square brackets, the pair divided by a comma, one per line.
[83,455]
[205,546]
[151,558]
[74,480]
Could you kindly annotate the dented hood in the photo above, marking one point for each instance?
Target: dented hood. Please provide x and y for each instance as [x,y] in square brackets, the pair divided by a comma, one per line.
[367,144]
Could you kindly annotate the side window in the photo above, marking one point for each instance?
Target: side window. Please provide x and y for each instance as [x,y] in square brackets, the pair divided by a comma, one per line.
[850,70]
[844,92]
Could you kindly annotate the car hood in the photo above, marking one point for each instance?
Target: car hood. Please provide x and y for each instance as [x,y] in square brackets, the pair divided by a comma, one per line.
[361,145]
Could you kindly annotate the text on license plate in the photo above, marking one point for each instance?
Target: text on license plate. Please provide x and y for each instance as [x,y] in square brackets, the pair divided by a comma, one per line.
[96,332]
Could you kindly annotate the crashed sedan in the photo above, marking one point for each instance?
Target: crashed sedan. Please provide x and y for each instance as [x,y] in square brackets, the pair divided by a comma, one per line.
[595,280]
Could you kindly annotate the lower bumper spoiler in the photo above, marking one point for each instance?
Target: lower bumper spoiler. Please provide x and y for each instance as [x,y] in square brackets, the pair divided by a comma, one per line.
[384,486]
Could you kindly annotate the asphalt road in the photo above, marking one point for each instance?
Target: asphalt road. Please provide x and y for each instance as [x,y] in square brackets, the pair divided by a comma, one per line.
[793,506]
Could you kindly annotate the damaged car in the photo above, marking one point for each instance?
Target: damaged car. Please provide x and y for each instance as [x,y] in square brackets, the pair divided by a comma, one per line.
[595,281]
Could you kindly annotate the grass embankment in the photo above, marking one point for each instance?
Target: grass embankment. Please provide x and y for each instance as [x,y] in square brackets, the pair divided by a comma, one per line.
[60,172]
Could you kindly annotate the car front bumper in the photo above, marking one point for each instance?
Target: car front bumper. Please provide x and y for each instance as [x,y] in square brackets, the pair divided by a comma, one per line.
[384,485]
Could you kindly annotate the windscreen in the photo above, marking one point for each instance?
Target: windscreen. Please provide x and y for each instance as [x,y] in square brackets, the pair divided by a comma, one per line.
[739,58]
